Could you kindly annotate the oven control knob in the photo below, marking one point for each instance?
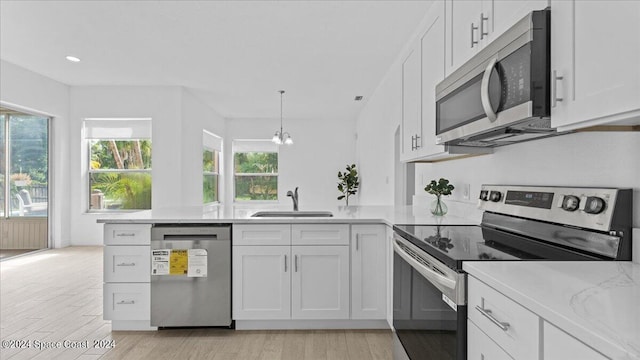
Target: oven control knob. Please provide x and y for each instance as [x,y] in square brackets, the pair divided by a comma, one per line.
[495,196]
[570,203]
[594,205]
[484,195]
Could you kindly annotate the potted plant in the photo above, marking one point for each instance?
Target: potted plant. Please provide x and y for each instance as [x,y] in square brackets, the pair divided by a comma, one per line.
[439,188]
[348,184]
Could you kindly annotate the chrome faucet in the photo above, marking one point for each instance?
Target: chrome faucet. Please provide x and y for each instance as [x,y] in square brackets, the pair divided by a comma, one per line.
[294,197]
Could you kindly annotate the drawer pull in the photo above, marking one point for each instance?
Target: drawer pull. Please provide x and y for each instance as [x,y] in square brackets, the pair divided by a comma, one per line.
[126,264]
[125,234]
[487,313]
[123,302]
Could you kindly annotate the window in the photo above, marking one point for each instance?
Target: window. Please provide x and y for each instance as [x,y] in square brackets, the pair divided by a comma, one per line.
[119,164]
[212,145]
[24,164]
[255,166]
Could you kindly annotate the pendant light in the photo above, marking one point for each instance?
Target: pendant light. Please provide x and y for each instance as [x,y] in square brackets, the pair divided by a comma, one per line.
[281,137]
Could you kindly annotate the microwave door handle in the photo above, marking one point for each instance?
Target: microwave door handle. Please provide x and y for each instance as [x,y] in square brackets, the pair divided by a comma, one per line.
[484,91]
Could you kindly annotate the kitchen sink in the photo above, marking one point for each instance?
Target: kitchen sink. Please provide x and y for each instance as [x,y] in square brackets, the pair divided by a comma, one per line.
[293,214]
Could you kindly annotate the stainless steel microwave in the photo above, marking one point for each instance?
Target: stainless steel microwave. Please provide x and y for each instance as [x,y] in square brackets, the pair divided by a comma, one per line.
[502,94]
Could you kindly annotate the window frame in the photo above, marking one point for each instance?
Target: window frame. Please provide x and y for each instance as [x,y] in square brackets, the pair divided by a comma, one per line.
[245,144]
[118,129]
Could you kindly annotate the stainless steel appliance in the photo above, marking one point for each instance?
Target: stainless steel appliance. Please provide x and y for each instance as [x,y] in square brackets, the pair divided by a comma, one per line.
[191,275]
[518,223]
[502,94]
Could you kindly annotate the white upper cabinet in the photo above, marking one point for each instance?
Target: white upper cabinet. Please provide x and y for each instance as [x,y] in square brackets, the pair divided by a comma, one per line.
[595,57]
[472,24]
[411,127]
[432,63]
[463,37]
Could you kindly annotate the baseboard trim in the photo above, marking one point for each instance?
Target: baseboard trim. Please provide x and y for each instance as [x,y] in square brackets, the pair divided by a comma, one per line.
[132,325]
[310,324]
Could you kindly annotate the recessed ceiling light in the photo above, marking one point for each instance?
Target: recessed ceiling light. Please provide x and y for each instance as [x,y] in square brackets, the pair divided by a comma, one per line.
[358,98]
[73,58]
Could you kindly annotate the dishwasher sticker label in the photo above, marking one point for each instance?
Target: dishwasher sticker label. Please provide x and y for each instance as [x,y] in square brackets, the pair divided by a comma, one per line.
[160,261]
[197,263]
[178,262]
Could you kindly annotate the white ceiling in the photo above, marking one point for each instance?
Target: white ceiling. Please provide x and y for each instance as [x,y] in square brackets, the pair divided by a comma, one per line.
[234,55]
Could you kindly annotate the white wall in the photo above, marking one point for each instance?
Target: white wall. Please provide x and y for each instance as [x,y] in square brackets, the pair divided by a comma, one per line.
[321,148]
[24,90]
[196,116]
[597,159]
[376,125]
[178,119]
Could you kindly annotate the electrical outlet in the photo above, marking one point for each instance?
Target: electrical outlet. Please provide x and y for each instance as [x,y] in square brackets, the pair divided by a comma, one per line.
[466,190]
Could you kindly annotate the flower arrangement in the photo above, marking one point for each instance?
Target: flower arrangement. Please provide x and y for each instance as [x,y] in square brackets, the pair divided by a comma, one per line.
[439,188]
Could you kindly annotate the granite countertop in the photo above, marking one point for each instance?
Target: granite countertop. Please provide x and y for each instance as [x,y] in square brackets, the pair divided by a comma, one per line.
[596,302]
[466,214]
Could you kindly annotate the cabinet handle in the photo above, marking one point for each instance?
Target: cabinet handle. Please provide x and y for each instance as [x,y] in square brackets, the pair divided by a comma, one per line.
[473,28]
[417,146]
[123,302]
[413,140]
[357,241]
[285,263]
[482,20]
[554,89]
[126,264]
[295,263]
[125,234]
[504,326]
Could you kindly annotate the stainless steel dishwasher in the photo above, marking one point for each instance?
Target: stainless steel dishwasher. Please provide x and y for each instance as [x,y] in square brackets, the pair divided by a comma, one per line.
[190,275]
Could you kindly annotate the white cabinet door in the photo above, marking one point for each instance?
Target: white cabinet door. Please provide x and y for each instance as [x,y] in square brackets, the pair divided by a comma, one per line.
[368,272]
[462,36]
[500,15]
[481,347]
[126,301]
[127,264]
[320,282]
[558,345]
[262,234]
[596,51]
[127,234]
[433,61]
[411,132]
[261,282]
[320,234]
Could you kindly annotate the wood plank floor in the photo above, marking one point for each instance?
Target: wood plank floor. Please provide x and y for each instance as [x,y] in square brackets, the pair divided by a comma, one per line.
[56,295]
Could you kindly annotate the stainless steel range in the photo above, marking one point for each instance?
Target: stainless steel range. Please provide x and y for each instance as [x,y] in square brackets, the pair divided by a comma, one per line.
[518,223]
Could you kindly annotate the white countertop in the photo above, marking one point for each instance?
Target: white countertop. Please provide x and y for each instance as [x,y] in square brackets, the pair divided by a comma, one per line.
[596,302]
[390,215]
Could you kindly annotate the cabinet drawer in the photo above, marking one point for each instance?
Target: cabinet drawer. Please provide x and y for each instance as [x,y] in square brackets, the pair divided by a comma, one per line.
[271,234]
[127,263]
[480,347]
[507,323]
[127,234]
[127,301]
[320,234]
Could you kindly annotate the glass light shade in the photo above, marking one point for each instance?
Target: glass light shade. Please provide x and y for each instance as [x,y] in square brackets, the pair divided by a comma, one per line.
[276,138]
[288,140]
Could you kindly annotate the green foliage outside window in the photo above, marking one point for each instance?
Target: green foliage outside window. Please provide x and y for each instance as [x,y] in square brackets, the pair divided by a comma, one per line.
[120,176]
[256,176]
[210,168]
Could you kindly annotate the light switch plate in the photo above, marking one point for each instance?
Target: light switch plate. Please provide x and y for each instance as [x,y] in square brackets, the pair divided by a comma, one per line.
[466,190]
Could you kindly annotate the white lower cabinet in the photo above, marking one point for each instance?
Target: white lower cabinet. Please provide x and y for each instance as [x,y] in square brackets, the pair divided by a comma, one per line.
[320,282]
[368,272]
[127,276]
[558,345]
[261,282]
[500,328]
[284,282]
[481,347]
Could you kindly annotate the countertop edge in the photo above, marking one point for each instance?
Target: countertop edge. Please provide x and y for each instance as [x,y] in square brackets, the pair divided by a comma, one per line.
[596,341]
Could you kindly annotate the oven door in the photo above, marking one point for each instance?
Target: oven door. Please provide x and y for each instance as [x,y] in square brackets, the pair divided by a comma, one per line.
[428,323]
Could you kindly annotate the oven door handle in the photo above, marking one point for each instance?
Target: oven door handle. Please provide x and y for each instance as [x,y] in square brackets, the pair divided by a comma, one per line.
[425,271]
[484,91]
